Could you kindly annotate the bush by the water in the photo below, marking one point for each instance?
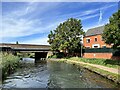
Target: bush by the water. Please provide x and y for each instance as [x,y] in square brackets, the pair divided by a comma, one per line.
[8,64]
[57,55]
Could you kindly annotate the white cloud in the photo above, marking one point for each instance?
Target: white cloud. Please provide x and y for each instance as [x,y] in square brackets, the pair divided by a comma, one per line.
[80,14]
[23,27]
[39,41]
[83,15]
[90,16]
[14,25]
[100,17]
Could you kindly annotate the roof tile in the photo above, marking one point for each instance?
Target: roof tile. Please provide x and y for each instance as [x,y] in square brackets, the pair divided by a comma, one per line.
[95,31]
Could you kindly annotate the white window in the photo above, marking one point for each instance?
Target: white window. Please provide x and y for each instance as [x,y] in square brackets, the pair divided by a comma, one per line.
[95,46]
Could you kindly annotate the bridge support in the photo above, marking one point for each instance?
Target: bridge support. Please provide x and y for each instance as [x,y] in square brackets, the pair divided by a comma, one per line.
[40,56]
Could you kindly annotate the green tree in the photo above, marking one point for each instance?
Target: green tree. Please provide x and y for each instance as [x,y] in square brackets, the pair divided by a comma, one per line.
[17,42]
[111,33]
[66,36]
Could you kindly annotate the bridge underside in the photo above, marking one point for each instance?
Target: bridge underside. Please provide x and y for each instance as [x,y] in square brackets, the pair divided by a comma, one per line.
[40,55]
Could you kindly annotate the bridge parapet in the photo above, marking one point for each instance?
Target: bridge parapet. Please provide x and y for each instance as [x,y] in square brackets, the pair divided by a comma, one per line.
[27,47]
[23,45]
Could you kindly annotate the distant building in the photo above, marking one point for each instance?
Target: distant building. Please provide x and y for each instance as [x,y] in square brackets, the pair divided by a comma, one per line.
[93,38]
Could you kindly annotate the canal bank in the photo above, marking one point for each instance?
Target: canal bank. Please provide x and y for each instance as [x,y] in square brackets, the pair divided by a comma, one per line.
[106,72]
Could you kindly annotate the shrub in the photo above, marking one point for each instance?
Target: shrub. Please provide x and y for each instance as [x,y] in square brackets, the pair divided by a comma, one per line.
[8,64]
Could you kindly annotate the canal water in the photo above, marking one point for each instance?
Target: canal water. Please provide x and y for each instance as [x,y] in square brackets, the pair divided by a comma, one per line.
[55,75]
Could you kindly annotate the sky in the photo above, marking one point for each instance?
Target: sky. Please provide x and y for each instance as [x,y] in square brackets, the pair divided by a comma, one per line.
[31,22]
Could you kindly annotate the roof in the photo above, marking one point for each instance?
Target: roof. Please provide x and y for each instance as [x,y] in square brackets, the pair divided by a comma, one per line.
[95,31]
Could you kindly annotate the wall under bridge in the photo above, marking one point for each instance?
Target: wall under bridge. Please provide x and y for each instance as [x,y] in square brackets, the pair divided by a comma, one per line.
[40,56]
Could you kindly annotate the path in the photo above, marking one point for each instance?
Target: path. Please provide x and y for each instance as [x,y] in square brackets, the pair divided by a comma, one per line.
[112,70]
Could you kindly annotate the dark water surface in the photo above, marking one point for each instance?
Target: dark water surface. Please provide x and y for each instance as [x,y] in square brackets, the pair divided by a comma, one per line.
[55,75]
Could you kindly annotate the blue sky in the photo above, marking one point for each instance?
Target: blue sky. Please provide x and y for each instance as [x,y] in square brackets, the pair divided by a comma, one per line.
[31,22]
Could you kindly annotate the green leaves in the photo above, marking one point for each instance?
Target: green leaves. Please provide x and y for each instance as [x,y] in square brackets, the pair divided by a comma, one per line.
[111,34]
[66,36]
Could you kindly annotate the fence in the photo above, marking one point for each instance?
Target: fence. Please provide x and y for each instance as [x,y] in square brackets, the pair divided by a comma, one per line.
[106,53]
[115,52]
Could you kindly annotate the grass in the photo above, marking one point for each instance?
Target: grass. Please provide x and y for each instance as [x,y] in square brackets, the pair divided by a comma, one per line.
[103,62]
[8,64]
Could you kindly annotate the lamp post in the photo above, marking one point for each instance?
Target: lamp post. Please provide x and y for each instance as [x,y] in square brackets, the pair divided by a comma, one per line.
[81,48]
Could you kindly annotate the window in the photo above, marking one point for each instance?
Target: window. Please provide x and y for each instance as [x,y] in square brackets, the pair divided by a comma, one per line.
[95,39]
[88,40]
[103,46]
[95,46]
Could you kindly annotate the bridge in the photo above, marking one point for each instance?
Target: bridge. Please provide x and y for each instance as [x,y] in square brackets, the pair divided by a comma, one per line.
[39,50]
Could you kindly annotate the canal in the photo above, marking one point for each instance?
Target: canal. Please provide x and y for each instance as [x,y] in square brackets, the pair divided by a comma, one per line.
[55,75]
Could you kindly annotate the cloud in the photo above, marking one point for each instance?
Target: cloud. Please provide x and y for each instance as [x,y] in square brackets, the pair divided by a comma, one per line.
[84,15]
[39,41]
[15,25]
[100,17]
[22,27]
[90,16]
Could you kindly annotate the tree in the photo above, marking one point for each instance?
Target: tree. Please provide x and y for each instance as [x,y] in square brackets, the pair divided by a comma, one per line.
[17,42]
[66,36]
[111,33]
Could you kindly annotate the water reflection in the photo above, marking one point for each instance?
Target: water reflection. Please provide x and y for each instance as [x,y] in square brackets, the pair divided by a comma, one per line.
[28,60]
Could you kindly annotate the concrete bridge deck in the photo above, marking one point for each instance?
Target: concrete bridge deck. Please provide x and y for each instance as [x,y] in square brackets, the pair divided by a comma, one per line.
[17,46]
[39,50]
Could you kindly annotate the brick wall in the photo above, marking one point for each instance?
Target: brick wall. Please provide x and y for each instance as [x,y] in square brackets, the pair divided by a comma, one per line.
[101,55]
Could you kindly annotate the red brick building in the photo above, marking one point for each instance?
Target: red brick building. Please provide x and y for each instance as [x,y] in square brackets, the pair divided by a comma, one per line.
[93,38]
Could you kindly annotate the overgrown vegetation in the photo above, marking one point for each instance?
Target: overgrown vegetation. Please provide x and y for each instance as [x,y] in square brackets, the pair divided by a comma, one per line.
[103,62]
[8,64]
[21,55]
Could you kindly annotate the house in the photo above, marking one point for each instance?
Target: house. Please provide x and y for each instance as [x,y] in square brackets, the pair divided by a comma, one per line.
[93,38]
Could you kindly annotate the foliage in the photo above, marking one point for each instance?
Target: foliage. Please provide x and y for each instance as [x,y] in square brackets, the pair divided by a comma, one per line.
[57,55]
[17,42]
[8,63]
[111,34]
[24,54]
[103,62]
[66,36]
[53,56]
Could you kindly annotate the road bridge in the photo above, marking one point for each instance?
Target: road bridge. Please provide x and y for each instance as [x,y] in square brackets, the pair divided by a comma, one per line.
[39,50]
